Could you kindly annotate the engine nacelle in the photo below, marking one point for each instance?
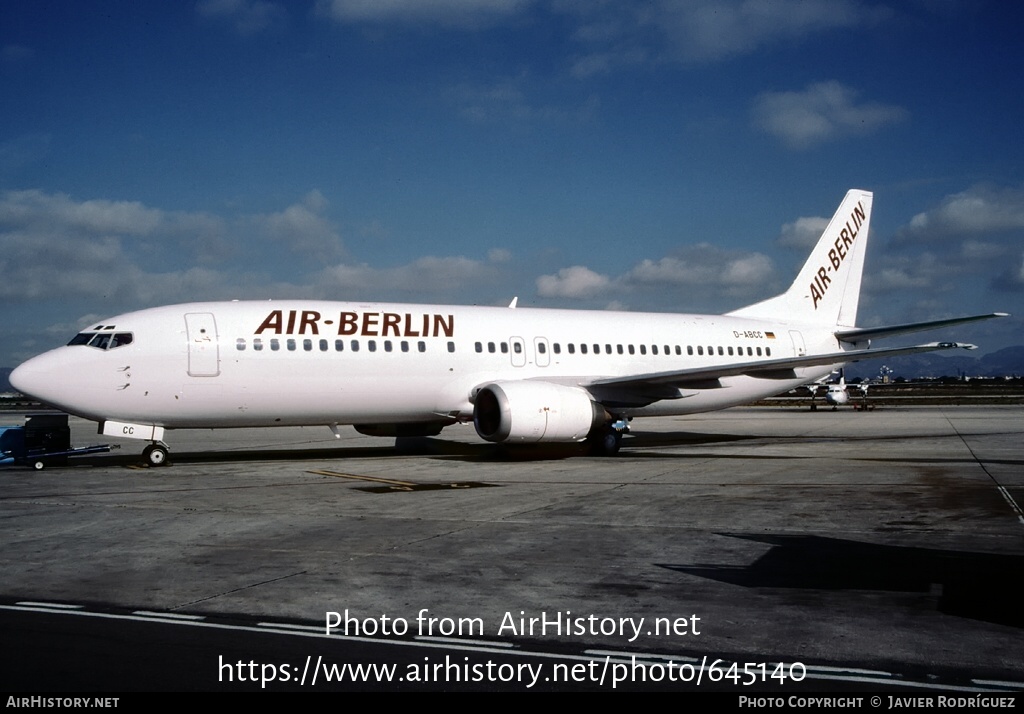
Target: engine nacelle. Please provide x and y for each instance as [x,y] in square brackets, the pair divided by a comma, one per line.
[528,412]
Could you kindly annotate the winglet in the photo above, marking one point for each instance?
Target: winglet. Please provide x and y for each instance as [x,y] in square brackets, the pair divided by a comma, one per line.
[515,300]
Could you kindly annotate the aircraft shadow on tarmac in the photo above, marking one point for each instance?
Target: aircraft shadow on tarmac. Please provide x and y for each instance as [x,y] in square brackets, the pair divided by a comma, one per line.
[980,586]
[633,445]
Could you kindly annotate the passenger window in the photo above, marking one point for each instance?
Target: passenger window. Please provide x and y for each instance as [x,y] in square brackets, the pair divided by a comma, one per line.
[542,348]
[768,351]
[405,345]
[324,345]
[240,344]
[700,349]
[632,350]
[583,348]
[758,351]
[557,348]
[618,348]
[517,347]
[354,345]
[720,351]
[750,352]
[491,348]
[597,349]
[504,348]
[689,349]
[572,348]
[371,345]
[654,349]
[291,344]
[307,345]
[275,344]
[451,346]
[730,351]
[643,349]
[339,345]
[421,346]
[478,347]
[387,345]
[257,344]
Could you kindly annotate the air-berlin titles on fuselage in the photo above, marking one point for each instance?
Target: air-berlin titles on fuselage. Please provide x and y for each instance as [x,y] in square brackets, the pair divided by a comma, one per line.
[365,324]
[837,254]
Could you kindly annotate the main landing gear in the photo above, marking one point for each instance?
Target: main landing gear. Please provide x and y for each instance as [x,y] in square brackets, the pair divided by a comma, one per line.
[607,439]
[156,454]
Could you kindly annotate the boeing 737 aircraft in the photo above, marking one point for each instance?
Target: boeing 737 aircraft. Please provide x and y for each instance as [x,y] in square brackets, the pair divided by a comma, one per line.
[520,375]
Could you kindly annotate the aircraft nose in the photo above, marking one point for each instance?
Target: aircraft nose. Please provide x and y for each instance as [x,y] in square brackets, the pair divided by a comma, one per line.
[34,379]
[28,379]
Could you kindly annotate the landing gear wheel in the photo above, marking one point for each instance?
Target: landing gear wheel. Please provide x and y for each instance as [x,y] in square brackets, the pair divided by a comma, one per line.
[155,455]
[605,442]
[610,443]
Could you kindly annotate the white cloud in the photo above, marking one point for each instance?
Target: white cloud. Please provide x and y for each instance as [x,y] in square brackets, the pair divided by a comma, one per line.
[247,17]
[978,210]
[717,272]
[54,247]
[822,112]
[574,282]
[804,232]
[499,255]
[459,14]
[704,265]
[981,250]
[42,211]
[719,28]
[304,229]
[623,34]
[436,277]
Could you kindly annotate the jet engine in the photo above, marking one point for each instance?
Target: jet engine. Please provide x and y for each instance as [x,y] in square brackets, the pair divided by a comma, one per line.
[528,412]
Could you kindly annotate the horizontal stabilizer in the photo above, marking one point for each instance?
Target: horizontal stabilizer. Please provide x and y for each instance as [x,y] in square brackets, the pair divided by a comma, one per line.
[859,334]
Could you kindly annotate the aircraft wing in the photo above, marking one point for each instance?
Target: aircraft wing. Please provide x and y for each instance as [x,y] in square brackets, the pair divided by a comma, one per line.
[707,377]
[859,334]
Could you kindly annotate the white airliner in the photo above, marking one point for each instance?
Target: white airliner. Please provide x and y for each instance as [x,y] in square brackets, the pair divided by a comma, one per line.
[520,375]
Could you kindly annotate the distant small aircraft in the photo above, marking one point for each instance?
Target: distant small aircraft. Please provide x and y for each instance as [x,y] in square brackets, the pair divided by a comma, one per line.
[837,393]
[520,375]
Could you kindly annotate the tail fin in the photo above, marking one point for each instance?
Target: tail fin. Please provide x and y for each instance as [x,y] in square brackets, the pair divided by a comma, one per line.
[827,289]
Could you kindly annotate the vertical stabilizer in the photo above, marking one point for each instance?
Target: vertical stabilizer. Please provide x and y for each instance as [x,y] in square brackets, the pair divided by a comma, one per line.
[827,289]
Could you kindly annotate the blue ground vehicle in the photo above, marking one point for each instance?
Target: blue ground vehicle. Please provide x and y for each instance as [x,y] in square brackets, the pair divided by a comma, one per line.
[44,440]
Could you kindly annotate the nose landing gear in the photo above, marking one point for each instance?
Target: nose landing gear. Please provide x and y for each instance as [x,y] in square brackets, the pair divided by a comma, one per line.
[156,454]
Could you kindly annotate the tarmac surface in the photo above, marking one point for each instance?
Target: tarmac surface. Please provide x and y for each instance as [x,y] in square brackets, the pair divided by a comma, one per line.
[885,546]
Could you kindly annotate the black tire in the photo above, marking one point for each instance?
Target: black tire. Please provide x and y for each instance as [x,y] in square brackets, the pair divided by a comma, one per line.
[155,455]
[605,442]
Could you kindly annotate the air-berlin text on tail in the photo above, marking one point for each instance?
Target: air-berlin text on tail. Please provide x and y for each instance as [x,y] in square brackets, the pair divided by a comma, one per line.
[366,324]
[837,253]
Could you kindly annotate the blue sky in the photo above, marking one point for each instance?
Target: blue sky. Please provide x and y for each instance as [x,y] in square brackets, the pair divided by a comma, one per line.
[667,156]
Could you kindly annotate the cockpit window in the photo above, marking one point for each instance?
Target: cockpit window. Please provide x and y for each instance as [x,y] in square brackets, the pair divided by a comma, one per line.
[82,338]
[102,340]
